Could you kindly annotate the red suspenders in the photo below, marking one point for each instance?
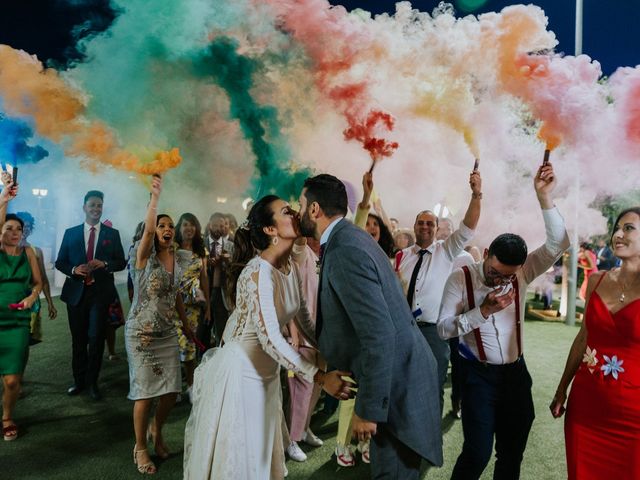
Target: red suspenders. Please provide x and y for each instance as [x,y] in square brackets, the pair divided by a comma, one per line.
[472,304]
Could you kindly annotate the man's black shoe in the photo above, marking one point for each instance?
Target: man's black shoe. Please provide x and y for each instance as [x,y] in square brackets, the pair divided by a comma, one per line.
[74,390]
[94,393]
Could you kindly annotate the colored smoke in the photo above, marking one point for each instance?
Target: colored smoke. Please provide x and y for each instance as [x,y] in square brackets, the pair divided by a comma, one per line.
[57,109]
[259,123]
[15,139]
[257,94]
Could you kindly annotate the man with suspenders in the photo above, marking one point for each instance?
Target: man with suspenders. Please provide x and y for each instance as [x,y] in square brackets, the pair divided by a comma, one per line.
[424,267]
[483,304]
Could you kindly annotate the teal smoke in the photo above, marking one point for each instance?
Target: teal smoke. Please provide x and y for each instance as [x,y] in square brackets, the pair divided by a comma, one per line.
[234,73]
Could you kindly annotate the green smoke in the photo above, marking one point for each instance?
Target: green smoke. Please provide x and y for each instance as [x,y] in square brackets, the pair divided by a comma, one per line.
[260,126]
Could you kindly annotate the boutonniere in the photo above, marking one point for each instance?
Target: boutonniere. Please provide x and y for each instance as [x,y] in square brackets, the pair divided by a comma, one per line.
[106,242]
[318,267]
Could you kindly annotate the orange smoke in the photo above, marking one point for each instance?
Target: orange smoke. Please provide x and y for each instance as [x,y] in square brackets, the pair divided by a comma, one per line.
[57,109]
[519,72]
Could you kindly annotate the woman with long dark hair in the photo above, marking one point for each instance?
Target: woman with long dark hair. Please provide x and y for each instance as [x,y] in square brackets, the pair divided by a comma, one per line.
[194,288]
[234,430]
[150,333]
[20,287]
[380,233]
[602,425]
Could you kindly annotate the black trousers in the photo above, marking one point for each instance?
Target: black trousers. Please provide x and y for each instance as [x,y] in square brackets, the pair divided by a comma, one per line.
[219,316]
[219,313]
[391,459]
[456,380]
[440,349]
[496,400]
[87,324]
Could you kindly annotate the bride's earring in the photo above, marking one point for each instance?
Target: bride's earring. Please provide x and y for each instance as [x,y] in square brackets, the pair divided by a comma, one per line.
[274,241]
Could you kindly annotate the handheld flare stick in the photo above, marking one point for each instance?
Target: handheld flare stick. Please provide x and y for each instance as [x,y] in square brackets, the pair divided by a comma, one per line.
[154,175]
[476,164]
[14,174]
[547,153]
[373,165]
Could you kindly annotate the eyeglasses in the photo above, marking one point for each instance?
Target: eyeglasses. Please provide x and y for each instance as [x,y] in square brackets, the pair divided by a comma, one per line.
[493,273]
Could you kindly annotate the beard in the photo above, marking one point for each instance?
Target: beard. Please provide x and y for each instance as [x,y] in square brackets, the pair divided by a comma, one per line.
[307,227]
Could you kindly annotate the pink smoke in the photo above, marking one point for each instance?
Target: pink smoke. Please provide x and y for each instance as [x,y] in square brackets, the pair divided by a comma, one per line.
[625,86]
[335,42]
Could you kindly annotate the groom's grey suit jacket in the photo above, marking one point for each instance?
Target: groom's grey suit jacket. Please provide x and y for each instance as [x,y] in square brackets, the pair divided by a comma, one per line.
[368,329]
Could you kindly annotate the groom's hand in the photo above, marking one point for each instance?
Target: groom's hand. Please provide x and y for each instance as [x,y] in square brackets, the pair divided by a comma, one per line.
[363,429]
[336,386]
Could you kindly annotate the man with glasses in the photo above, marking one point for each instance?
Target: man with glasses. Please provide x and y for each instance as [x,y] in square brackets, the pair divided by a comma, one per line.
[424,268]
[484,305]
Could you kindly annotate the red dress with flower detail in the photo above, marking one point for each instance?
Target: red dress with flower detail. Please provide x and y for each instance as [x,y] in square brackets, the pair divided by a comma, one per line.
[602,425]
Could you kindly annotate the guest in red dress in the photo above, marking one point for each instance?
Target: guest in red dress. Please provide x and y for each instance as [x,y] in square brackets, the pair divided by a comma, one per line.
[602,425]
[587,261]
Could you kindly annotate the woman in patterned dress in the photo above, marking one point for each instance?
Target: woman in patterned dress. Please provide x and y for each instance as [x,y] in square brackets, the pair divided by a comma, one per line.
[150,334]
[194,288]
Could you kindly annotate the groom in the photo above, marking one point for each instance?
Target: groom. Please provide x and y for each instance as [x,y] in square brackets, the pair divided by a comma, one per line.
[364,325]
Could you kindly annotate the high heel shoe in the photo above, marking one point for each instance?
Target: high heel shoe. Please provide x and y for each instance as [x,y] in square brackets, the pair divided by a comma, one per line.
[161,452]
[148,468]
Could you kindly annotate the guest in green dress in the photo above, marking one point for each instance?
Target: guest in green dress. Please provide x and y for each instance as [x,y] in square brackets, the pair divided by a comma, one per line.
[20,286]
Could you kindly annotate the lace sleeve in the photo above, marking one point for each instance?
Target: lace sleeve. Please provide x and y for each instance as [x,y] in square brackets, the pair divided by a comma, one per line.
[268,328]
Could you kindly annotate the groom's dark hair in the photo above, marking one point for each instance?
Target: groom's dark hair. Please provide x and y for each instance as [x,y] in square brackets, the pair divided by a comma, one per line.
[329,192]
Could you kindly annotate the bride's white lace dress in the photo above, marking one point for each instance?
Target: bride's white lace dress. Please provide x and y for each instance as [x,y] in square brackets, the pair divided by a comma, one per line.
[234,430]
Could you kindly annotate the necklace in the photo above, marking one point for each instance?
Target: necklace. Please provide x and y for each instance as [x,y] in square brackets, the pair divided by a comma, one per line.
[622,297]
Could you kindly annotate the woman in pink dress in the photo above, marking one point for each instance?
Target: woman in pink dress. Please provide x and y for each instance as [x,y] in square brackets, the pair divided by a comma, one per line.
[602,425]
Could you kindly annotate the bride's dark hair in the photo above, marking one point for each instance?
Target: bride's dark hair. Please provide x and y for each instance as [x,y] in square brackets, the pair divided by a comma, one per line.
[248,240]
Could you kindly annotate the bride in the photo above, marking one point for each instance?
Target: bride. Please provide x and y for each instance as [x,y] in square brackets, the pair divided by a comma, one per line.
[234,430]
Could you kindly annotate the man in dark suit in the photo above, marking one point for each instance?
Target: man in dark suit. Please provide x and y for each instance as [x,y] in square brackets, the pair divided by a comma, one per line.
[364,325]
[88,256]
[220,252]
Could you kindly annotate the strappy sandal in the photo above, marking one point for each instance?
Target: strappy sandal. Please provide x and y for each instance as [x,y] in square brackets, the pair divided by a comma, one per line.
[148,468]
[9,432]
[162,453]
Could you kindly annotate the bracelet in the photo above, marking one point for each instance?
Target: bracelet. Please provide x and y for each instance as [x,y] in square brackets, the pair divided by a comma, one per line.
[477,195]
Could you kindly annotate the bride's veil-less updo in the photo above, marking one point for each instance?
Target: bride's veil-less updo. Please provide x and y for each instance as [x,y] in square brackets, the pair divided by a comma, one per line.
[248,240]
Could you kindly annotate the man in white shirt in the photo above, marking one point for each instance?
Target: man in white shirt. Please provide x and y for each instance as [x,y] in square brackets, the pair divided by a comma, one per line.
[424,267]
[484,305]
[445,229]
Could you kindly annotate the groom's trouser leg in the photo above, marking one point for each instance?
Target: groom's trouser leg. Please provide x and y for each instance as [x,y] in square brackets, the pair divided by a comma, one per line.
[391,459]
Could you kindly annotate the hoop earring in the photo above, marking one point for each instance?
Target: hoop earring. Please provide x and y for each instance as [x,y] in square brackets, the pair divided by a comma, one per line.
[274,241]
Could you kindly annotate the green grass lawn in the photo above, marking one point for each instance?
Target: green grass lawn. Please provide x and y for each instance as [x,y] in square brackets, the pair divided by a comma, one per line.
[66,438]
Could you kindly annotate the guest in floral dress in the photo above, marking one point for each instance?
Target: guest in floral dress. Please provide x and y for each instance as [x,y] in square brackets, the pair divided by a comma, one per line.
[194,288]
[150,334]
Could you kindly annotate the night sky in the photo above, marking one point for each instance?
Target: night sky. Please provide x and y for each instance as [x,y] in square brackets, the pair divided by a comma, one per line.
[47,27]
[611,27]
